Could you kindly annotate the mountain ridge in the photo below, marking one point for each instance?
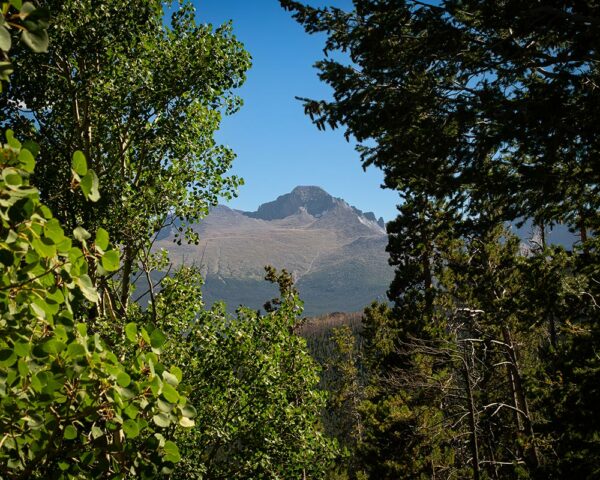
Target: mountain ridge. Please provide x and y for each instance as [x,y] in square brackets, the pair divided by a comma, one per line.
[335,252]
[313,199]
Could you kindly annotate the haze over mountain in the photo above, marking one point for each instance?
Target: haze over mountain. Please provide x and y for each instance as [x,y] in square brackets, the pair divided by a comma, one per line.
[335,252]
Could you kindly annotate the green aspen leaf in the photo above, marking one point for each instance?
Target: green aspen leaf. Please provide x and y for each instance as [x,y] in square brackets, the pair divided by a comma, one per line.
[76,350]
[23,367]
[155,384]
[18,4]
[157,339]
[145,335]
[37,18]
[171,452]
[81,329]
[177,372]
[53,346]
[55,296]
[12,141]
[165,406]
[160,438]
[11,236]
[11,177]
[96,432]
[131,411]
[54,231]
[32,258]
[151,357]
[44,247]
[131,428]
[70,432]
[77,259]
[36,40]
[6,69]
[5,40]
[79,163]
[64,246]
[123,379]
[125,393]
[162,420]
[35,420]
[22,349]
[186,422]
[27,160]
[37,311]
[169,393]
[131,332]
[87,288]
[188,411]
[170,378]
[26,9]
[89,186]
[49,308]
[101,239]
[36,383]
[7,358]
[46,212]
[81,234]
[60,333]
[110,261]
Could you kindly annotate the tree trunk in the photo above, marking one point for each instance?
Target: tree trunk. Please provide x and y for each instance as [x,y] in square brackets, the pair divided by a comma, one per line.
[125,280]
[472,420]
[583,231]
[522,408]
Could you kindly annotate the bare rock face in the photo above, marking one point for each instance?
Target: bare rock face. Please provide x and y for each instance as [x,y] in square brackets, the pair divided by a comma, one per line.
[318,204]
[314,200]
[335,252]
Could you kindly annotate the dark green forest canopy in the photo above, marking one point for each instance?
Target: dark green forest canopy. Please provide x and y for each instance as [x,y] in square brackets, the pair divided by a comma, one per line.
[470,99]
[479,113]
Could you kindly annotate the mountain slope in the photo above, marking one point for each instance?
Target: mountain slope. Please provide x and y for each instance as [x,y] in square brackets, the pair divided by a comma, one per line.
[335,252]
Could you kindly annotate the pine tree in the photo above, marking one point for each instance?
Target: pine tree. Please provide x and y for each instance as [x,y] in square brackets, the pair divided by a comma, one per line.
[479,113]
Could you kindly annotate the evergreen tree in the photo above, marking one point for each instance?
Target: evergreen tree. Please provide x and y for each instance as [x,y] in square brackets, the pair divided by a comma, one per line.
[479,113]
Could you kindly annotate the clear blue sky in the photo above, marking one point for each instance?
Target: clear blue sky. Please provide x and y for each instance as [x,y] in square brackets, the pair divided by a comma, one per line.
[278,147]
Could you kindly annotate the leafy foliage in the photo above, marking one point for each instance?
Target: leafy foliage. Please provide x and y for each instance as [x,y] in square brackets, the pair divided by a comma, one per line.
[141,97]
[252,383]
[91,384]
[69,408]
[32,25]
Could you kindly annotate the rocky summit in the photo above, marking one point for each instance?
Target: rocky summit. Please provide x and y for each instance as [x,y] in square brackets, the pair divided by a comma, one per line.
[335,252]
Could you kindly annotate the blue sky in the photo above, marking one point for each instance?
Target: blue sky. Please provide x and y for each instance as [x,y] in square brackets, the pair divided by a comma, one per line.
[278,147]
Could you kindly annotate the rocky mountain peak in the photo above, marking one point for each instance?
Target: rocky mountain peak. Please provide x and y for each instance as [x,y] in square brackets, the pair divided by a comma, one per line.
[313,199]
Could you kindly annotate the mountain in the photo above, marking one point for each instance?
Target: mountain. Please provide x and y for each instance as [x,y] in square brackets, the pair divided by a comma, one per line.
[335,252]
